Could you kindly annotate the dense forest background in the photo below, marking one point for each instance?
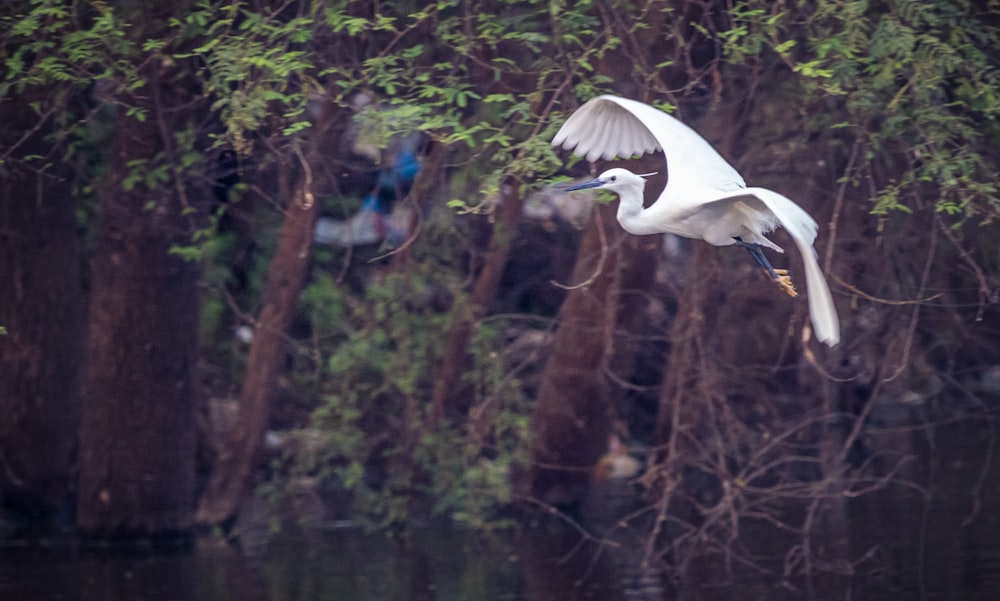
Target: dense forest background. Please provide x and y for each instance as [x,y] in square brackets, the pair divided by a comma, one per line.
[180,344]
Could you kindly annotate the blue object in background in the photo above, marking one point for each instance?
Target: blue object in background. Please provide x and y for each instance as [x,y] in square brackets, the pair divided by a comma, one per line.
[371,224]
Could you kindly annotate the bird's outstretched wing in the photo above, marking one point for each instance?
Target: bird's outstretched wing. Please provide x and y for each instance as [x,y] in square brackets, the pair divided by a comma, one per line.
[610,126]
[802,228]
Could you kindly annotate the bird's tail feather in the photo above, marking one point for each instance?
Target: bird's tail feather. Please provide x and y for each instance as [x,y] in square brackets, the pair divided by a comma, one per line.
[821,308]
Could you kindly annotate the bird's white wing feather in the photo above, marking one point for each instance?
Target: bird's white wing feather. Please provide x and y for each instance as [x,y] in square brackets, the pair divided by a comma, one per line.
[607,127]
[802,228]
[603,129]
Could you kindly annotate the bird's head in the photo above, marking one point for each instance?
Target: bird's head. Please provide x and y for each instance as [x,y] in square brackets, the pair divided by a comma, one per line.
[615,180]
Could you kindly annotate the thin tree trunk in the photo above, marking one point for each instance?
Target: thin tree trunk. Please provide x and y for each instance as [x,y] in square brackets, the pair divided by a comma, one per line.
[137,428]
[230,480]
[42,308]
[446,392]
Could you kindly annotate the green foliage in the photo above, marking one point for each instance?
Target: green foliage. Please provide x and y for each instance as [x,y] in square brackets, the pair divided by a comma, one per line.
[48,43]
[920,81]
[427,67]
[433,60]
[379,436]
[252,66]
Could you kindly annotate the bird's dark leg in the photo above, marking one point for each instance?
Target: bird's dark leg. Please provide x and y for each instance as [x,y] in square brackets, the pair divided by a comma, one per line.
[780,276]
[758,255]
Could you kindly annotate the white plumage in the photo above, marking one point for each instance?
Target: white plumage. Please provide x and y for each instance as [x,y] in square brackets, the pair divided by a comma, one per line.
[705,198]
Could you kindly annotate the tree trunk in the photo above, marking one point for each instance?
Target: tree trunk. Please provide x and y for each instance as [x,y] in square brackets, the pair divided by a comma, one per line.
[572,417]
[686,381]
[41,306]
[137,428]
[446,394]
[230,478]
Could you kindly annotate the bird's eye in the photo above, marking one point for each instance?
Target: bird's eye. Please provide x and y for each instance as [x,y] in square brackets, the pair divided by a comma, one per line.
[614,178]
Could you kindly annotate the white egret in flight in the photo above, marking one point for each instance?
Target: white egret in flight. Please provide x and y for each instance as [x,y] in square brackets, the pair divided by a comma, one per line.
[705,198]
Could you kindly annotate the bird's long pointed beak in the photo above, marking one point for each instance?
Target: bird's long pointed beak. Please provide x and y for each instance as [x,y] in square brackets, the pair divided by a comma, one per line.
[584,185]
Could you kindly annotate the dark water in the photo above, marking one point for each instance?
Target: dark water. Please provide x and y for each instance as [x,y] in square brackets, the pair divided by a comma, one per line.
[934,538]
[323,564]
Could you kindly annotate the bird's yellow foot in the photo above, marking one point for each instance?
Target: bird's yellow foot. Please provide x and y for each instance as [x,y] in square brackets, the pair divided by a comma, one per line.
[784,282]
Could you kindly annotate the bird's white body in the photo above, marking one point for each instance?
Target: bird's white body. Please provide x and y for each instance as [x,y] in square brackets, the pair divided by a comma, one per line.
[705,198]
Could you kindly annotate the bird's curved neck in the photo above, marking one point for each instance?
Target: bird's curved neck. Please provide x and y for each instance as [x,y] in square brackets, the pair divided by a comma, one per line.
[630,210]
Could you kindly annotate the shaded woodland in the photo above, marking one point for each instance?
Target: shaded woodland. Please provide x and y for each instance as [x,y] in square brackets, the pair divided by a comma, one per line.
[178,346]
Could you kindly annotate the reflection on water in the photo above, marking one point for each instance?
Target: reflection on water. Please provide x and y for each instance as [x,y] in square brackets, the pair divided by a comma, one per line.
[937,541]
[434,564]
[331,564]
